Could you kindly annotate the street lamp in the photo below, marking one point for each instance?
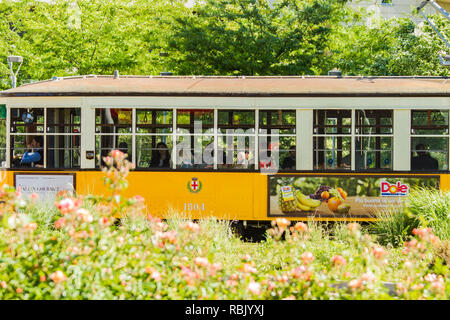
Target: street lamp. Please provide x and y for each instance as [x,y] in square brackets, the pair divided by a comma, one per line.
[11,60]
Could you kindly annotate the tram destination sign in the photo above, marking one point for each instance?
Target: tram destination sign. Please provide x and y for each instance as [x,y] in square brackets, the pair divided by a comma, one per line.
[349,196]
[46,186]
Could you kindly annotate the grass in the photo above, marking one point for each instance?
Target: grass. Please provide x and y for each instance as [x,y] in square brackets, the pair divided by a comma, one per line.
[425,207]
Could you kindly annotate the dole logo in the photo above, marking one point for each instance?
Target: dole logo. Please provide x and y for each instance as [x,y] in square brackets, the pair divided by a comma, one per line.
[397,189]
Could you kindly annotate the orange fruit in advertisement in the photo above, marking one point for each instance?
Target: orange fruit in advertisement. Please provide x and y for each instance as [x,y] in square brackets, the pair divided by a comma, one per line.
[325,195]
[342,193]
[333,203]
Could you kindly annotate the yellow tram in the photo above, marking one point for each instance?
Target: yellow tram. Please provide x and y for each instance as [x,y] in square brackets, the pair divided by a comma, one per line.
[237,148]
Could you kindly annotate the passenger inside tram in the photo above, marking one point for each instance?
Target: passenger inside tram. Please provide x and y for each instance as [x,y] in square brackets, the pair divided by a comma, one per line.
[290,161]
[161,157]
[123,146]
[423,160]
[34,156]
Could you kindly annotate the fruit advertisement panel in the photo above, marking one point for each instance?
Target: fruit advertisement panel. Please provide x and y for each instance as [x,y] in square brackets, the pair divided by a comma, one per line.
[340,196]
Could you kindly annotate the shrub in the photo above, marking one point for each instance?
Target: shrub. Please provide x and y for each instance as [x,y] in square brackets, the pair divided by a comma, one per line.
[83,255]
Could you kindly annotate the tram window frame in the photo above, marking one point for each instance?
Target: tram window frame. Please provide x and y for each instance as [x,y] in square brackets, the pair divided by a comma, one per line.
[40,128]
[430,133]
[320,137]
[285,130]
[3,139]
[126,129]
[239,134]
[383,133]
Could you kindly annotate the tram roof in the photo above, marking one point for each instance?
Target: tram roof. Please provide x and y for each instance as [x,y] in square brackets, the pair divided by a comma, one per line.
[286,86]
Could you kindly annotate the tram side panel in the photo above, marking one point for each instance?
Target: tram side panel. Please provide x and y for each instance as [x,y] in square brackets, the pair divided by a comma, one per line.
[194,195]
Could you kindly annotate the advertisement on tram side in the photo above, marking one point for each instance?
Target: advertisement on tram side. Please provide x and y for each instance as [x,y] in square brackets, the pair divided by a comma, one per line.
[340,196]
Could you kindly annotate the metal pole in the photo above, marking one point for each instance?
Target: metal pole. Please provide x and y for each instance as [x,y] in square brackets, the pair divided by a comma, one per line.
[440,9]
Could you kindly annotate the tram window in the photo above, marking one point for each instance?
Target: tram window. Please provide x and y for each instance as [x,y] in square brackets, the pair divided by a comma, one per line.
[332,152]
[332,122]
[276,139]
[187,119]
[3,142]
[236,141]
[331,146]
[28,151]
[429,122]
[281,120]
[104,144]
[154,121]
[154,151]
[373,148]
[195,152]
[113,120]
[63,127]
[429,153]
[236,152]
[236,119]
[113,128]
[373,152]
[27,120]
[63,120]
[27,141]
[373,122]
[63,151]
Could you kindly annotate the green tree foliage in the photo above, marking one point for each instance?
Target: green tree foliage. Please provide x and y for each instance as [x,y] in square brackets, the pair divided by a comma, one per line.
[392,47]
[65,37]
[252,37]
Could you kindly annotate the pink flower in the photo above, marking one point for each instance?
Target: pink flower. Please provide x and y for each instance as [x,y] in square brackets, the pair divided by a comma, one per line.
[104,221]
[300,226]
[202,262]
[117,154]
[19,290]
[85,215]
[430,277]
[58,276]
[42,278]
[254,288]
[368,276]
[378,252]
[353,227]
[307,257]
[3,284]
[31,226]
[339,260]
[191,226]
[282,222]
[355,284]
[34,196]
[66,205]
[155,275]
[139,198]
[248,268]
[60,223]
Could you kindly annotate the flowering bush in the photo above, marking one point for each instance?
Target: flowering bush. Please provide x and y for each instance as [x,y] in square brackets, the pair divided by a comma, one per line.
[84,255]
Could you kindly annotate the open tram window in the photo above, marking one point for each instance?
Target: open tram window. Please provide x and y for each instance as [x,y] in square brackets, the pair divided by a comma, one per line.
[277,139]
[373,141]
[154,138]
[332,140]
[27,137]
[195,139]
[63,136]
[113,129]
[429,140]
[236,143]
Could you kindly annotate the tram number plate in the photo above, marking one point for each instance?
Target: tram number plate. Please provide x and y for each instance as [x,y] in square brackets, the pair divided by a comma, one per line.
[188,206]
